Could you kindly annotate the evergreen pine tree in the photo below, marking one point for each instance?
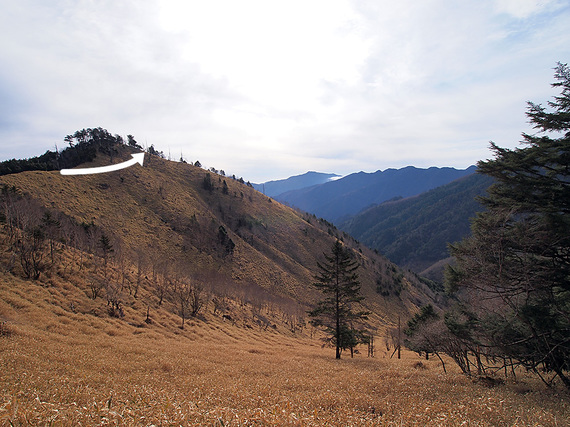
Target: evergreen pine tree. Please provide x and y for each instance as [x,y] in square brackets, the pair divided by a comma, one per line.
[338,281]
[515,268]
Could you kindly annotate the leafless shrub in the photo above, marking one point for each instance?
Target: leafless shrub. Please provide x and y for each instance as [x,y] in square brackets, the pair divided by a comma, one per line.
[113,292]
[198,299]
[181,295]
[96,285]
[5,329]
[161,280]
[221,304]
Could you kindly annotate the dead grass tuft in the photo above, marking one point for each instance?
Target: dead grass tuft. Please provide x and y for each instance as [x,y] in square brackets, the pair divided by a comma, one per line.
[5,329]
[488,381]
[80,366]
[521,388]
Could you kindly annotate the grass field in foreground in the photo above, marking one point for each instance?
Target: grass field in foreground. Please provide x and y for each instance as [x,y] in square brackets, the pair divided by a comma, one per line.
[79,374]
[62,366]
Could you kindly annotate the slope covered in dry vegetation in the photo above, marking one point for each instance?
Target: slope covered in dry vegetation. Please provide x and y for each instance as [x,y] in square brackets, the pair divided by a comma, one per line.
[168,220]
[172,295]
[67,366]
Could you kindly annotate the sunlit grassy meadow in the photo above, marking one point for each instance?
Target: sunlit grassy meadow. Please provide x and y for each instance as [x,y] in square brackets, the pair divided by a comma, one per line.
[61,367]
[68,358]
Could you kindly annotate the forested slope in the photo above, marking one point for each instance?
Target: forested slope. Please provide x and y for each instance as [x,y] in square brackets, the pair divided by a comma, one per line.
[414,232]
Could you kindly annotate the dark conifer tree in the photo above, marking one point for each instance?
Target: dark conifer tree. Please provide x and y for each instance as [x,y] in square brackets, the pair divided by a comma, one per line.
[515,268]
[338,281]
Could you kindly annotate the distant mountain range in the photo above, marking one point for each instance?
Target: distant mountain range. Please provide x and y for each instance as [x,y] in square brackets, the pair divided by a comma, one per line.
[414,232]
[297,182]
[410,215]
[339,199]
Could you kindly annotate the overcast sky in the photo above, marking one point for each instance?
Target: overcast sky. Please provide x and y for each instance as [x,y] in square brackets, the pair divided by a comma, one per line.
[268,89]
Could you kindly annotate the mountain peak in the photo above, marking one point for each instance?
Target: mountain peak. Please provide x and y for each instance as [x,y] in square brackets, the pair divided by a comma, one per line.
[296,182]
[335,200]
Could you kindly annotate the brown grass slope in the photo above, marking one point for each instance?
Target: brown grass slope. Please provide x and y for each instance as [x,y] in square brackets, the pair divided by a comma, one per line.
[66,358]
[80,367]
[163,212]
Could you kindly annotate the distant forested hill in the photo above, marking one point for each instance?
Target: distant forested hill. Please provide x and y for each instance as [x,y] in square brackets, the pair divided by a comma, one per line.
[274,188]
[414,232]
[336,200]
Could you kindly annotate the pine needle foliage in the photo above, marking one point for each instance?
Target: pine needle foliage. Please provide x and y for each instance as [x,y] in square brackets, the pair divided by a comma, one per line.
[338,280]
[514,272]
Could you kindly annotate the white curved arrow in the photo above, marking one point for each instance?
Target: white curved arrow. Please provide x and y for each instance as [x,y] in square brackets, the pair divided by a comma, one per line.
[137,158]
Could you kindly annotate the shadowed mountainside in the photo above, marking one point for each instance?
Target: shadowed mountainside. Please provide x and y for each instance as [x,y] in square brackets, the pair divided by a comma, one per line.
[339,199]
[414,232]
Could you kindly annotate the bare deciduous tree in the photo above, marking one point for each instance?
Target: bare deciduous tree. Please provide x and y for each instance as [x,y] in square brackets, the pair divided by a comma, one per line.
[182,293]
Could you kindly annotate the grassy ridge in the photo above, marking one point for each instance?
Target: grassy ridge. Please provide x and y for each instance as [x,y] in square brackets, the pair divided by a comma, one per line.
[165,212]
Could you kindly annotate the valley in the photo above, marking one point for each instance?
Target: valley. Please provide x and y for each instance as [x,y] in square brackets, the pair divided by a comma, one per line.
[61,367]
[409,215]
[173,295]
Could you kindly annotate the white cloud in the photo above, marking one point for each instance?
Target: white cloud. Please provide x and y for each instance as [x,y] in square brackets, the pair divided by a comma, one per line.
[271,89]
[524,8]
[274,53]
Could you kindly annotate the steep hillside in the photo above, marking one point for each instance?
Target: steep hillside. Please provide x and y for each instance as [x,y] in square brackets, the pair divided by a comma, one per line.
[64,363]
[88,336]
[171,219]
[414,232]
[297,182]
[336,200]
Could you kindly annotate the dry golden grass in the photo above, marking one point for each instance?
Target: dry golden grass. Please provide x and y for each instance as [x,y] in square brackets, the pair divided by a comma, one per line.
[150,209]
[66,368]
[65,361]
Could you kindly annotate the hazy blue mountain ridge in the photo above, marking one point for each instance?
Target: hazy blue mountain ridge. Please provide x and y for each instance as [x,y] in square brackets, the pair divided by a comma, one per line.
[337,200]
[414,232]
[308,179]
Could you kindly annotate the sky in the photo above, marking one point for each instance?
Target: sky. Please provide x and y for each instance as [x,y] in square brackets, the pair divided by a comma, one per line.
[269,89]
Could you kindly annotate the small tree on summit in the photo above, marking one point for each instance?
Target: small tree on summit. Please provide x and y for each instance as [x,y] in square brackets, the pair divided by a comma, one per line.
[132,142]
[338,281]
